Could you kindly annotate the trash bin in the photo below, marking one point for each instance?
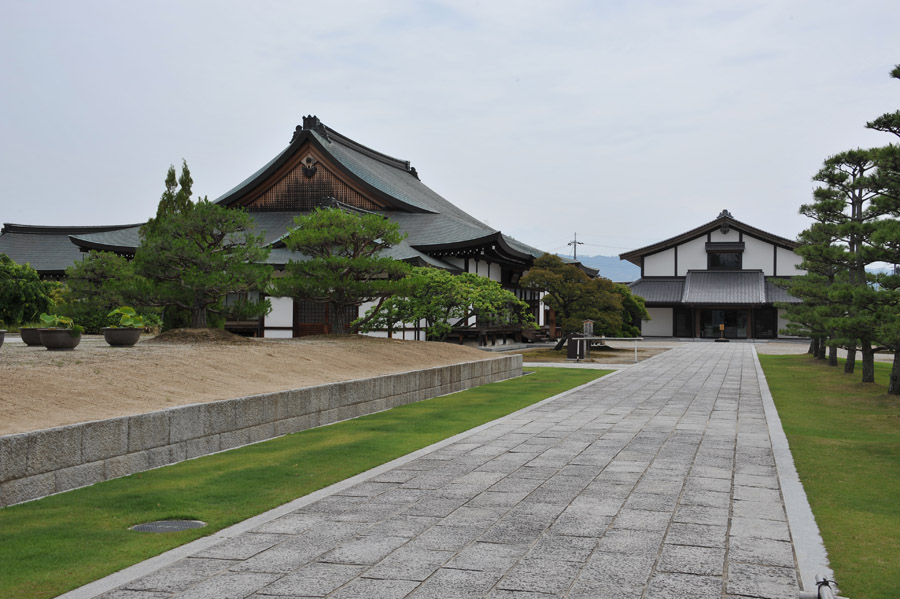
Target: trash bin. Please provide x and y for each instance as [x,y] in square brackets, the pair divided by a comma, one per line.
[575,349]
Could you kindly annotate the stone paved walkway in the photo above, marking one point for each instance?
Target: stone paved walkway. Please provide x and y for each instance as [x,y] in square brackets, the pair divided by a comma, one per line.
[657,482]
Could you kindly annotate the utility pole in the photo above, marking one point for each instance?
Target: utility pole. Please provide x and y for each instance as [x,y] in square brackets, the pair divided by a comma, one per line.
[575,243]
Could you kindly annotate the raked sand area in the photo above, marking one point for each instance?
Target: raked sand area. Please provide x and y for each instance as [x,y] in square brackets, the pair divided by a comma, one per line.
[666,479]
[42,389]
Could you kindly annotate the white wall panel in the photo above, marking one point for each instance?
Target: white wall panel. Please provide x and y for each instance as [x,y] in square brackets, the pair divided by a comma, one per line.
[660,265]
[660,324]
[717,236]
[782,322]
[692,256]
[282,314]
[758,255]
[787,260]
[277,334]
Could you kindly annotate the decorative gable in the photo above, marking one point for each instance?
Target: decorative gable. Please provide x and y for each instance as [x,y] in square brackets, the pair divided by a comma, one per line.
[302,183]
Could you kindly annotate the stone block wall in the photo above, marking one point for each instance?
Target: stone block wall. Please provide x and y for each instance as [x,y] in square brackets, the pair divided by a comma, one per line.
[40,463]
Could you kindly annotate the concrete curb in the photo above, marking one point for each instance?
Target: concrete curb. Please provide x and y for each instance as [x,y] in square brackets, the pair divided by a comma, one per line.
[577,365]
[812,558]
[98,587]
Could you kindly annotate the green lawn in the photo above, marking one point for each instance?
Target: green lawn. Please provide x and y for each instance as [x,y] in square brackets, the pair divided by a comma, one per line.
[845,439]
[59,543]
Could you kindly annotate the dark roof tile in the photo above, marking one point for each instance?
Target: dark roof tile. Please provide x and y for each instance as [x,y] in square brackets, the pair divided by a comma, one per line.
[724,287]
[659,291]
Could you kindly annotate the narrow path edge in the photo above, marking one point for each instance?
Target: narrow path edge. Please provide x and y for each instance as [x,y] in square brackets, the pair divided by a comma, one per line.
[812,558]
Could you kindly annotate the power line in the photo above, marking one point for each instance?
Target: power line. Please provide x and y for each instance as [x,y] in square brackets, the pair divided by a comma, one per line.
[615,247]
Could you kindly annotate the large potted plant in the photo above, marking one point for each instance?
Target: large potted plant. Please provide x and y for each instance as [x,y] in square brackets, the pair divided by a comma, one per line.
[129,329]
[61,332]
[30,335]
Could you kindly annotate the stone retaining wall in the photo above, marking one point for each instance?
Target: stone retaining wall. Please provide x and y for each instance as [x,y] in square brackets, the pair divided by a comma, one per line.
[41,463]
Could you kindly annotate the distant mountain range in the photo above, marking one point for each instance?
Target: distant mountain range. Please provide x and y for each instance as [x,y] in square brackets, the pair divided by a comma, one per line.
[620,271]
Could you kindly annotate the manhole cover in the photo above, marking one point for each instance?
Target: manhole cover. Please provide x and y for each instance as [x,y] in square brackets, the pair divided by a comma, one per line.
[168,525]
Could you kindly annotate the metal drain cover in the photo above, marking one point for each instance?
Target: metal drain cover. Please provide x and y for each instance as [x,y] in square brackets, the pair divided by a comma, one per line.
[168,526]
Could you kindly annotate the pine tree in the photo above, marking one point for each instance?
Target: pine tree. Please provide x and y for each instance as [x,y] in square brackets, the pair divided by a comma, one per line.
[177,196]
[342,265]
[886,243]
[193,255]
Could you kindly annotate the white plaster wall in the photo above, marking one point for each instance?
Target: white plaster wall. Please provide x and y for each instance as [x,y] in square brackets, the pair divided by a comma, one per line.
[787,260]
[758,255]
[539,317]
[692,256]
[282,314]
[660,324]
[718,237]
[277,334]
[473,265]
[495,272]
[782,322]
[660,265]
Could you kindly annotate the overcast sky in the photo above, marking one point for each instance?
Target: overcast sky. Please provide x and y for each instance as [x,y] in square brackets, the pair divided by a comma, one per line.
[626,122]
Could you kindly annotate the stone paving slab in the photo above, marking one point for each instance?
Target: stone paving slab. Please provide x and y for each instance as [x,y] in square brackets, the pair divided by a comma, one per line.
[660,481]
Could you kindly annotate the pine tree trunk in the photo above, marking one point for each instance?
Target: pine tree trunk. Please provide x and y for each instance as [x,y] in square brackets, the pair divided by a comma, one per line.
[813,346]
[820,352]
[868,361]
[850,364]
[339,322]
[198,318]
[832,355]
[894,384]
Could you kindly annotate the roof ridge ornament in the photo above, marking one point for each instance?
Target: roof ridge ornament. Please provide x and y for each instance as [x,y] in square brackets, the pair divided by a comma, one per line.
[724,228]
[311,123]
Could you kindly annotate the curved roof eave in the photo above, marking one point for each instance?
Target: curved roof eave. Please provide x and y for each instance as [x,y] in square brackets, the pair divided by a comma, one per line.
[86,245]
[63,229]
[496,239]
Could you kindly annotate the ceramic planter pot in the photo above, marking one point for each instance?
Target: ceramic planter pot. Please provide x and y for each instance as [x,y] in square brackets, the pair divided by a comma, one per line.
[30,335]
[59,339]
[122,336]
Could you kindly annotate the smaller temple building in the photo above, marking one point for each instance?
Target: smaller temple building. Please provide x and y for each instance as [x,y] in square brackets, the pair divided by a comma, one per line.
[715,280]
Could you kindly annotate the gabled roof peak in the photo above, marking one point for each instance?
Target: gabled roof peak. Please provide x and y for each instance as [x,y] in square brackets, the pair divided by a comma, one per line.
[314,124]
[724,222]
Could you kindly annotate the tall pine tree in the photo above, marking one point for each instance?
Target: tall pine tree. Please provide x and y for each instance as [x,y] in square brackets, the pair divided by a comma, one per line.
[886,242]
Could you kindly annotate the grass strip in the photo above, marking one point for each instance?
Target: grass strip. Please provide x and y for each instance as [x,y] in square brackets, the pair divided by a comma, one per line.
[59,543]
[845,439]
